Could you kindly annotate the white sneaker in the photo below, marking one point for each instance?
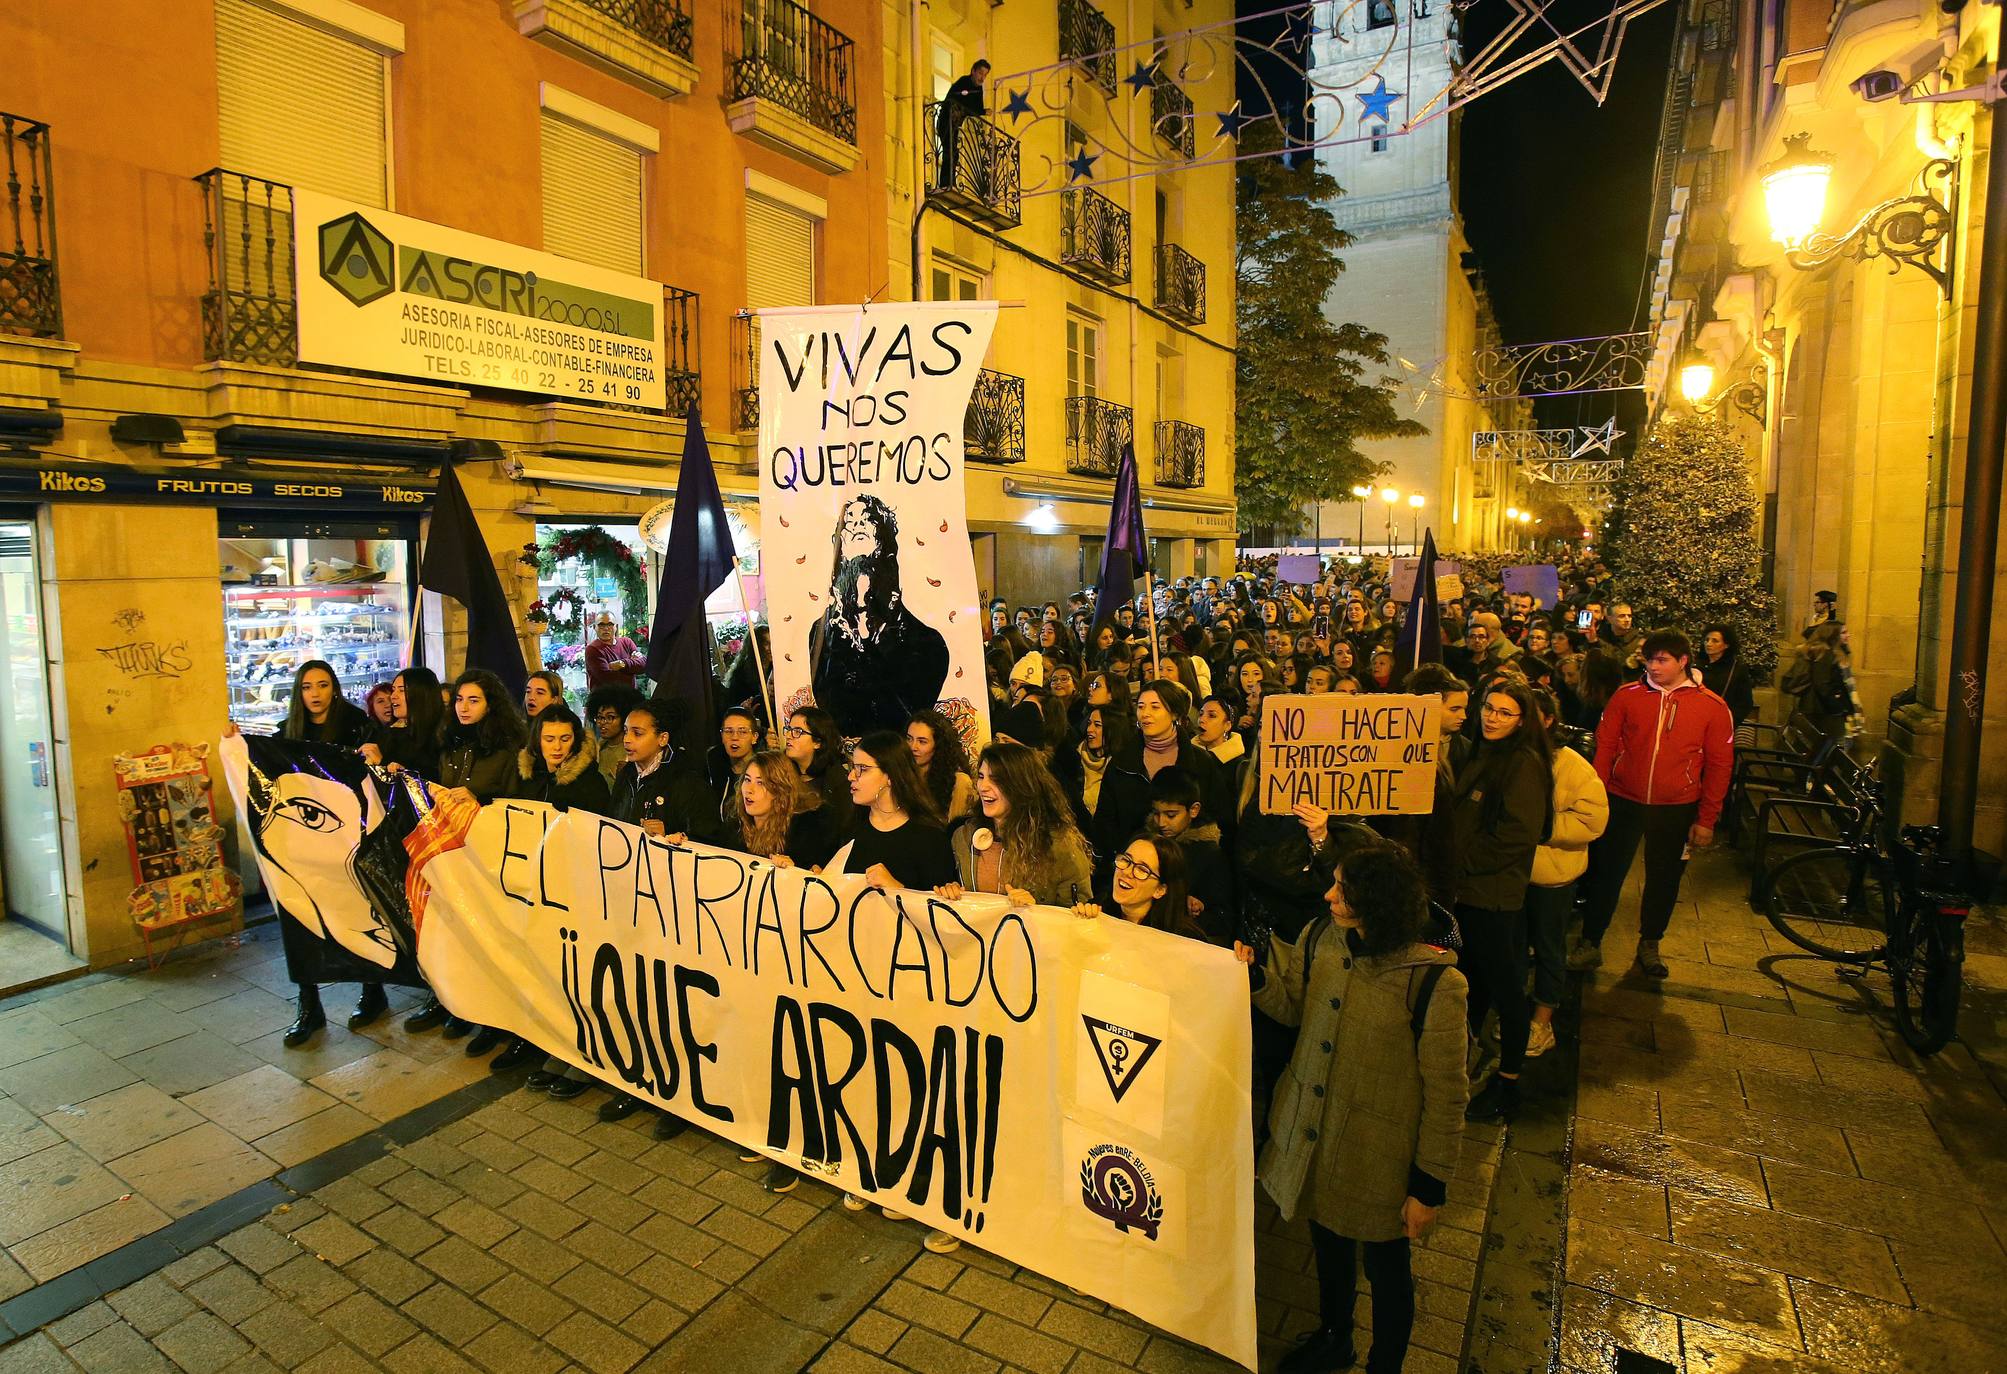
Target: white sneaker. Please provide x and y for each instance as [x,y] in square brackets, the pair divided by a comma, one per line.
[1539,1039]
[891,1215]
[854,1203]
[941,1243]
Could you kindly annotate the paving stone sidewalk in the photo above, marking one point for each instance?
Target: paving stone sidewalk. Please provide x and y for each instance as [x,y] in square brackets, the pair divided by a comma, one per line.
[1763,1177]
[529,1237]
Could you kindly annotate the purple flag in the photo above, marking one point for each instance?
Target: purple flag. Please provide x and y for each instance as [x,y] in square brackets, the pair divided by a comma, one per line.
[695,563]
[1127,549]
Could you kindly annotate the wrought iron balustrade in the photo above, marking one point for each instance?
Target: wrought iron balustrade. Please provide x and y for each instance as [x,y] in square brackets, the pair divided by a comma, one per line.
[661,22]
[1086,36]
[31,302]
[1096,431]
[973,165]
[993,425]
[1181,454]
[250,312]
[1181,284]
[1094,234]
[1171,112]
[787,55]
[681,354]
[745,372]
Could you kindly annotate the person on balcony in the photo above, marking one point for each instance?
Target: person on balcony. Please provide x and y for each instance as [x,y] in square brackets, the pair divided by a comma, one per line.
[964,98]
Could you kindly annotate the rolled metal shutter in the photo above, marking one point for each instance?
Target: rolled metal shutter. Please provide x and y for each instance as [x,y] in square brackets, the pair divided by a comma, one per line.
[780,254]
[300,105]
[592,196]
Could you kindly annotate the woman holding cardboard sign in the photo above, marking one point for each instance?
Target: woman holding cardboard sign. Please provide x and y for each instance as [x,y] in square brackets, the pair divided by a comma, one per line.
[1504,801]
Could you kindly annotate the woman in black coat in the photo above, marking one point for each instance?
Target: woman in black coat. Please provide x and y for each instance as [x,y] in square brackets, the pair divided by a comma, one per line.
[1504,798]
[319,714]
[1722,673]
[561,766]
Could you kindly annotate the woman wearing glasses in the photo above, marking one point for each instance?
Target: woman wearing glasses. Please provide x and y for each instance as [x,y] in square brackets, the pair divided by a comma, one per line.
[897,839]
[1147,888]
[814,742]
[1502,812]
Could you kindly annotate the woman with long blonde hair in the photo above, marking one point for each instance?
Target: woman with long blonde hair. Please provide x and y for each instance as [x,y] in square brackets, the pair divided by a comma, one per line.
[778,818]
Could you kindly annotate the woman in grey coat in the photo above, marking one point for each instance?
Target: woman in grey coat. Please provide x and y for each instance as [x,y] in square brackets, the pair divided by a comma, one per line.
[1367,1121]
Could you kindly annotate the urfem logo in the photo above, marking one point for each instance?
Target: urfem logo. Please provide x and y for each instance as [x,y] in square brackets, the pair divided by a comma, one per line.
[358,260]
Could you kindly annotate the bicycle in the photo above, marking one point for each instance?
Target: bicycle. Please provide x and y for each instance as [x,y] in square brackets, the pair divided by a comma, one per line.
[1899,906]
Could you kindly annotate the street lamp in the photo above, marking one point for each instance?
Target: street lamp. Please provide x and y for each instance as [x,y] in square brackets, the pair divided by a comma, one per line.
[1696,382]
[1415,505]
[1363,493]
[1751,396]
[1390,495]
[1907,229]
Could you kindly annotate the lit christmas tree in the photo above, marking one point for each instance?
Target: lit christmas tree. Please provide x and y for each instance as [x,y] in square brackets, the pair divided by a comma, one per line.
[1681,538]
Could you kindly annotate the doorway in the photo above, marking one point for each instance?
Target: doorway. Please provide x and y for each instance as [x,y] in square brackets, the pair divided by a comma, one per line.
[34,914]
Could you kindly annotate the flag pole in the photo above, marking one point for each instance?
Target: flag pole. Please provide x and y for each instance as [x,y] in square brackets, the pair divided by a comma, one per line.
[1150,605]
[753,641]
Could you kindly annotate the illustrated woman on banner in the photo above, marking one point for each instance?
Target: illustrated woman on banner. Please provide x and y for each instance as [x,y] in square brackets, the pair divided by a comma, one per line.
[876,663]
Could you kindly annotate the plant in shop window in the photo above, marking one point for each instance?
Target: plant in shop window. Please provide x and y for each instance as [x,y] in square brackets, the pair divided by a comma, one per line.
[604,556]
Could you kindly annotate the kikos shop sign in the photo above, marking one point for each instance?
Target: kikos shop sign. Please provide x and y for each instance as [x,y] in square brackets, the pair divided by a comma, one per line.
[98,481]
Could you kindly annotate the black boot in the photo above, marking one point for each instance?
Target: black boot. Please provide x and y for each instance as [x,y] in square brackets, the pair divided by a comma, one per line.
[515,1057]
[485,1039]
[1323,1351]
[619,1108]
[369,1007]
[456,1027]
[432,1014]
[668,1125]
[311,1018]
[1498,1100]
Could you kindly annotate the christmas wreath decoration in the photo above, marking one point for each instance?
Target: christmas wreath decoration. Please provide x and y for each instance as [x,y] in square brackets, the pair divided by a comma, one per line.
[603,555]
[563,611]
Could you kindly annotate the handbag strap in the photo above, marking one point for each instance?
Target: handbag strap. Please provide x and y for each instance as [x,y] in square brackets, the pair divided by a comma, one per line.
[1418,1018]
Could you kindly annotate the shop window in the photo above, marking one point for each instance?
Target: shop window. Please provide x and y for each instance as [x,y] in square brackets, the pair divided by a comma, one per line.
[592,196]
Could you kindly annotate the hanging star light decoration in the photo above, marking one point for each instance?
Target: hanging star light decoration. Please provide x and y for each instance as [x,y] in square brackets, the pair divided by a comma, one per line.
[1017,104]
[1081,166]
[1378,103]
[1143,77]
[1599,439]
[1231,121]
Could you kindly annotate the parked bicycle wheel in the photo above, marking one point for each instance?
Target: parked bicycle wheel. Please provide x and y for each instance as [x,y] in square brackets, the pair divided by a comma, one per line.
[1837,903]
[1927,972]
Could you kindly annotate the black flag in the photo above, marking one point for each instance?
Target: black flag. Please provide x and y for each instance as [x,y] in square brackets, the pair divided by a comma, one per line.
[457,564]
[695,563]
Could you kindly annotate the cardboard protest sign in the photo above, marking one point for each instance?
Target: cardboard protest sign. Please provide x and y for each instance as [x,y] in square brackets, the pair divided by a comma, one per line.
[870,580]
[1541,581]
[1015,1076]
[1401,579]
[1298,569]
[1351,755]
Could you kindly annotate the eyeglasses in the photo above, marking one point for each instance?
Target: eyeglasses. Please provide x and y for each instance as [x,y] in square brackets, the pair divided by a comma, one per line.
[736,732]
[795,731]
[858,770]
[1136,866]
[1497,713]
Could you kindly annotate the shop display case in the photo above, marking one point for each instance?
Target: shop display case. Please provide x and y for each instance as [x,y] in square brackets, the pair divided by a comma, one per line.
[295,593]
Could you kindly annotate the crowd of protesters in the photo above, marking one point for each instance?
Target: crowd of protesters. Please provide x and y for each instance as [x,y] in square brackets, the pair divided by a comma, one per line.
[1120,783]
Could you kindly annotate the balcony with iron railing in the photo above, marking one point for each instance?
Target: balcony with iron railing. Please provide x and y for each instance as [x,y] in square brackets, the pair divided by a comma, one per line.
[1181,454]
[789,85]
[993,425]
[31,302]
[1181,284]
[1094,235]
[972,165]
[1171,117]
[250,311]
[745,372]
[1086,36]
[1096,432]
[650,43]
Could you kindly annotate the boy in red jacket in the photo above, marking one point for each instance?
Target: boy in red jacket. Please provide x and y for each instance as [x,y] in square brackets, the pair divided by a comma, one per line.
[1664,749]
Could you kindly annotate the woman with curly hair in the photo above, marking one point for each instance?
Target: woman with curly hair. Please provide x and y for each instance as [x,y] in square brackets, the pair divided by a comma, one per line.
[1024,843]
[478,741]
[938,751]
[778,818]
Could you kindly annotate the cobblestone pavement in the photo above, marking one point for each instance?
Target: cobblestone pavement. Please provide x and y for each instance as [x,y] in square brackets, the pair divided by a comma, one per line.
[1756,1174]
[523,1236]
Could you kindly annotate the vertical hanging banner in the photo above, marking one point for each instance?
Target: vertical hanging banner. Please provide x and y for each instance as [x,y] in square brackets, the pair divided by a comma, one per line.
[870,580]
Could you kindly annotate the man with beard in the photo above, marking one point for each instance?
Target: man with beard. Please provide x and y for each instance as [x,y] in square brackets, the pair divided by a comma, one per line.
[875,662]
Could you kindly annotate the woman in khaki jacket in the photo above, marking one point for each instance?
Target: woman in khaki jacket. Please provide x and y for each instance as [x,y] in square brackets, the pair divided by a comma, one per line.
[1581,810]
[1368,1118]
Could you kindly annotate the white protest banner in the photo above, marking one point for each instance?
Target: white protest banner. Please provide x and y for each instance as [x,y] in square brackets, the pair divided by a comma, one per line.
[1015,1077]
[1401,579]
[870,580]
[1351,755]
[388,293]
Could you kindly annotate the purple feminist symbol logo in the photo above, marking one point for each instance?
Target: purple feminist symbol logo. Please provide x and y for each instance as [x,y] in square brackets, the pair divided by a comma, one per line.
[1115,1186]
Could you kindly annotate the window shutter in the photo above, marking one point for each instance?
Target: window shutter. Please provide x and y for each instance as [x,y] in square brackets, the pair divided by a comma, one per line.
[780,254]
[299,105]
[592,197]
